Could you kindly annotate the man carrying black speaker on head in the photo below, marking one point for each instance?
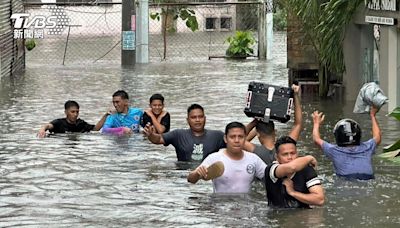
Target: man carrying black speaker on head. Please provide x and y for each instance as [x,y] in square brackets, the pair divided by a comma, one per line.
[267,134]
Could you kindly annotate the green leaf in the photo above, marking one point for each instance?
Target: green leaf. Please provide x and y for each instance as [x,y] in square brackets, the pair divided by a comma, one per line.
[184,14]
[391,154]
[153,16]
[191,23]
[240,44]
[30,44]
[392,147]
[395,113]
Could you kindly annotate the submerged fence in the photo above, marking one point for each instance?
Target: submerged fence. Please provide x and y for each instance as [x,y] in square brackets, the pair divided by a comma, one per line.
[92,33]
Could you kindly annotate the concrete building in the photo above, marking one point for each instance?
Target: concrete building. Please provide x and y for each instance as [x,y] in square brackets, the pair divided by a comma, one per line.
[372,50]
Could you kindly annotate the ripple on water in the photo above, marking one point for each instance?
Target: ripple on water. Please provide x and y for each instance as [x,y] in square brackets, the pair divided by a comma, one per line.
[103,181]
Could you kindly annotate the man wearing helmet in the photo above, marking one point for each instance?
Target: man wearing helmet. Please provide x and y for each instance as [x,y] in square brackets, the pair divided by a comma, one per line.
[351,157]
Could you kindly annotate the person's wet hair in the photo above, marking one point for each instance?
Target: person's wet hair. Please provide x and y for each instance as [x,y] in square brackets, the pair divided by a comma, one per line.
[69,104]
[265,128]
[234,125]
[122,94]
[157,96]
[194,106]
[284,140]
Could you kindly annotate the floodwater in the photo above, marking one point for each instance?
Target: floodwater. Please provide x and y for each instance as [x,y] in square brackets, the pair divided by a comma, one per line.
[93,180]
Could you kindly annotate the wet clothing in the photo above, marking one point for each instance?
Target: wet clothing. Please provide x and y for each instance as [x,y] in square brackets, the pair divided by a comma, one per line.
[276,191]
[119,120]
[265,154]
[353,161]
[165,121]
[238,174]
[62,126]
[189,147]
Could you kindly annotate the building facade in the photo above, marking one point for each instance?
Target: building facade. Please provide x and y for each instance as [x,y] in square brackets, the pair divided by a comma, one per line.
[372,50]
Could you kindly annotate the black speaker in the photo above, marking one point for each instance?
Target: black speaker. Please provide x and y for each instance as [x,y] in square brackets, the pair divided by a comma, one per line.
[267,102]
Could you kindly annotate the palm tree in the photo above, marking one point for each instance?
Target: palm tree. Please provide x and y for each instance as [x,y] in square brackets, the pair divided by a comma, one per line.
[324,23]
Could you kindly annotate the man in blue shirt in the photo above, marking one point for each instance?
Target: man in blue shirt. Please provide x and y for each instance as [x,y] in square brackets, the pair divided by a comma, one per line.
[351,158]
[126,120]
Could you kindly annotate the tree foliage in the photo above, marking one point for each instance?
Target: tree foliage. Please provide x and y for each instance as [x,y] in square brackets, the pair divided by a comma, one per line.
[335,16]
[187,15]
[324,23]
[174,11]
[280,17]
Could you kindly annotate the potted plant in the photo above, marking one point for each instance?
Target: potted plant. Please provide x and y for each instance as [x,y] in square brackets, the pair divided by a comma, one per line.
[240,45]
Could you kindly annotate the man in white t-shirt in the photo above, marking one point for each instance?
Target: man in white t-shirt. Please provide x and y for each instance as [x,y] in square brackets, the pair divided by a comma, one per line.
[240,167]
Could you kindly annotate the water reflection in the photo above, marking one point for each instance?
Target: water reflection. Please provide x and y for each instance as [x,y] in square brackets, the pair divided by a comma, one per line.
[104,181]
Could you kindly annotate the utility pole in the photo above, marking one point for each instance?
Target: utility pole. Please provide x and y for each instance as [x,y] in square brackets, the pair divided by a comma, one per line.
[262,26]
[270,27]
[128,36]
[265,30]
[142,41]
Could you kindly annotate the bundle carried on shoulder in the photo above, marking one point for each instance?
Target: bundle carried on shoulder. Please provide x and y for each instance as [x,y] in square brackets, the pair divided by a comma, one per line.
[370,94]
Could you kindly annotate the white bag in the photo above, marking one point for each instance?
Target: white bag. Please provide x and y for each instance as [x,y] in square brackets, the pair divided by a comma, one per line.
[370,94]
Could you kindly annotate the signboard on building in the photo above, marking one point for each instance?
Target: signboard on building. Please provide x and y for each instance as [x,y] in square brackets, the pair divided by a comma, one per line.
[380,20]
[388,5]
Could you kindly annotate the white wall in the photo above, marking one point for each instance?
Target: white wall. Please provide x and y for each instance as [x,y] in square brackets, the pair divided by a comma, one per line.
[389,65]
[201,14]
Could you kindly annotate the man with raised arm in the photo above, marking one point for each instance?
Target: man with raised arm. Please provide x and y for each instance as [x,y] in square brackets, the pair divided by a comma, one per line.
[351,158]
[71,122]
[267,134]
[193,144]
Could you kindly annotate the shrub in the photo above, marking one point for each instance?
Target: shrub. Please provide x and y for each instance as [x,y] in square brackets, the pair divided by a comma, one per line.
[240,45]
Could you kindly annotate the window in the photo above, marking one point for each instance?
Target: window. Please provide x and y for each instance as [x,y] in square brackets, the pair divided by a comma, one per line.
[211,23]
[226,23]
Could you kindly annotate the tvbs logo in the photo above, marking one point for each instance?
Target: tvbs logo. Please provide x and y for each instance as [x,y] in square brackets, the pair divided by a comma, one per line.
[37,22]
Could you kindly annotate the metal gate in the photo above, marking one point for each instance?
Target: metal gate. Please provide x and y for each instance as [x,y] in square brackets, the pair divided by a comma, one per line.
[94,33]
